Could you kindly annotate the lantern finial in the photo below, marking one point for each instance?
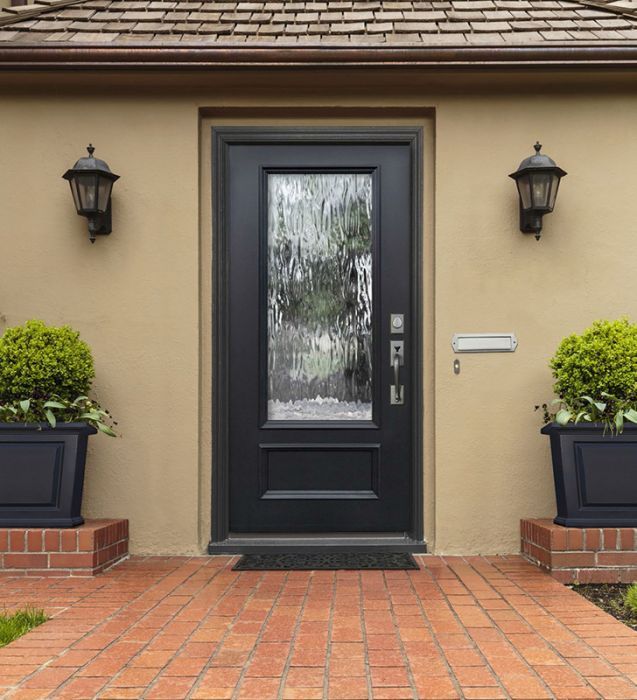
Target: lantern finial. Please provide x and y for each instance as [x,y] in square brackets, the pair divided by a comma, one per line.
[538,147]
[91,149]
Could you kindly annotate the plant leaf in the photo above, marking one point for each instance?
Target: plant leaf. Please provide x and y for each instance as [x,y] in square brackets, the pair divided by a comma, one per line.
[631,415]
[105,429]
[619,421]
[50,417]
[25,405]
[53,404]
[563,416]
[91,415]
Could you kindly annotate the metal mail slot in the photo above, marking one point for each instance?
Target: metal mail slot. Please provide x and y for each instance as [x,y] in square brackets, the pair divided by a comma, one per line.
[484,342]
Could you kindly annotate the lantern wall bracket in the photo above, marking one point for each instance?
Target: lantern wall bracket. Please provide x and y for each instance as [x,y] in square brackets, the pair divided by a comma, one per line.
[100,224]
[531,222]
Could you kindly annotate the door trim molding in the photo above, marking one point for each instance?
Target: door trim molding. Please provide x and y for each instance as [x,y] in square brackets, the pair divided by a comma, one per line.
[222,540]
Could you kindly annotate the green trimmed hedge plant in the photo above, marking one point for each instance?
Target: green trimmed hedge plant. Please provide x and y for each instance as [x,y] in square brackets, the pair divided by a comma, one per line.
[38,361]
[45,376]
[596,376]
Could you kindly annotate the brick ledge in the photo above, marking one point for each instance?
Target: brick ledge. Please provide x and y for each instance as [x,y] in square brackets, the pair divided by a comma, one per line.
[580,555]
[86,550]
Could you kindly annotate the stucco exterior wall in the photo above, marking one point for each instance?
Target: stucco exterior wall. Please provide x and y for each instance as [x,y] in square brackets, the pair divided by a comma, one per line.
[139,296]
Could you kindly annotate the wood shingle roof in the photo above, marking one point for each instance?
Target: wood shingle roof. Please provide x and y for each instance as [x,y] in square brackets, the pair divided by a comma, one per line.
[322,23]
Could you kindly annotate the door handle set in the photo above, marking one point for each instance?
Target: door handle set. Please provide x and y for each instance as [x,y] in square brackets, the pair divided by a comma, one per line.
[397,390]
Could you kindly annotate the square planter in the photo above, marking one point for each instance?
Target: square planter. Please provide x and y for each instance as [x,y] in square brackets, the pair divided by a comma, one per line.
[42,474]
[595,475]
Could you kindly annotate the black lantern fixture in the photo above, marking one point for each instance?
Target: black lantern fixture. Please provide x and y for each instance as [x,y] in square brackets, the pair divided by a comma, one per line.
[91,183]
[538,179]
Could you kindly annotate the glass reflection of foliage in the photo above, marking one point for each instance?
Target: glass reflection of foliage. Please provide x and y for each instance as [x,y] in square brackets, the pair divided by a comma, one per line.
[320,287]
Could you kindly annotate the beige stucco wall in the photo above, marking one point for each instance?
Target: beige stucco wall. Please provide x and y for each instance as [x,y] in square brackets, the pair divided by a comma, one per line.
[139,296]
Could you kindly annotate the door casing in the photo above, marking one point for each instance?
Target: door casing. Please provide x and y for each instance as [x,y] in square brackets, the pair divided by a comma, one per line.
[222,539]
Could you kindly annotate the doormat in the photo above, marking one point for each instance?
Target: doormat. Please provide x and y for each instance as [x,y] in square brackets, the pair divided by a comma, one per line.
[326,560]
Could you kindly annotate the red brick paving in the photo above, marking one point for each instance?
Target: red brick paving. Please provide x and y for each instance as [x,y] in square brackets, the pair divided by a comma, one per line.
[169,628]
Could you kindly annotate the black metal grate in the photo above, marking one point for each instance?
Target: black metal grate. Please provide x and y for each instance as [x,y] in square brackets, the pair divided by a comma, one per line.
[325,560]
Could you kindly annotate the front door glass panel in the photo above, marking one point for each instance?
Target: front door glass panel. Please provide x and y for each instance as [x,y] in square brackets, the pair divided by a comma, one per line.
[319,296]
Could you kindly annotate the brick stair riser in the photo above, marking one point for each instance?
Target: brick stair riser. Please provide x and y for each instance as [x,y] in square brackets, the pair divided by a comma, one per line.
[581,555]
[82,551]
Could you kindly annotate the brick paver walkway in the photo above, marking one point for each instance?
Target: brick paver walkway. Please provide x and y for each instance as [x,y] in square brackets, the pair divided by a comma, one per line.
[192,628]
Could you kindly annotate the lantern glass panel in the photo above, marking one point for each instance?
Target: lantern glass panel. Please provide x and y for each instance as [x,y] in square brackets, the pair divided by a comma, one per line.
[87,188]
[524,188]
[104,193]
[76,194]
[540,189]
[554,187]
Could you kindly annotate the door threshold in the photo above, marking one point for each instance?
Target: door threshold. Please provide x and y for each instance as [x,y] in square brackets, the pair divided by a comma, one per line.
[342,542]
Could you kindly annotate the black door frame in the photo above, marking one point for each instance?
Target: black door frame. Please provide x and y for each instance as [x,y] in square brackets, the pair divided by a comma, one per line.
[222,540]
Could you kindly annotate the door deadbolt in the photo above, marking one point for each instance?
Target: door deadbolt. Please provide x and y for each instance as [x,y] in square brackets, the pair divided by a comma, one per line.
[397,323]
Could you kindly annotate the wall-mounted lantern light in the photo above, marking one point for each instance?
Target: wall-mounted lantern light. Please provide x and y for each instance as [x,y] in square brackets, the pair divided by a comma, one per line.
[538,179]
[91,183]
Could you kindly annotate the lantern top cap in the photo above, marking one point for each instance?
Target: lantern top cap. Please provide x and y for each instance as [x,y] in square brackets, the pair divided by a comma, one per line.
[92,164]
[538,161]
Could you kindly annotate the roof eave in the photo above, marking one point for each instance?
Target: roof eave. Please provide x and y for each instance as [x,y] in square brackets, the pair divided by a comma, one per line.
[31,56]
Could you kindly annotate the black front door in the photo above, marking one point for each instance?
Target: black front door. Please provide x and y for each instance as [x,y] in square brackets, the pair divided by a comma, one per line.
[320,339]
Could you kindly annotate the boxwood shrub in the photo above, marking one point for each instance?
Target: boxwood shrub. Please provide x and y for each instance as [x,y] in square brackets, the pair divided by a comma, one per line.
[45,376]
[602,359]
[39,361]
[596,376]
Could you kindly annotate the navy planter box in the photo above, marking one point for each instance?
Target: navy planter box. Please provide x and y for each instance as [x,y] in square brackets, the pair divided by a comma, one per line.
[595,475]
[42,474]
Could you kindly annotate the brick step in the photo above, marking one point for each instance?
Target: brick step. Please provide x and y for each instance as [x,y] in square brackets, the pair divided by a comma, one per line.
[581,555]
[85,550]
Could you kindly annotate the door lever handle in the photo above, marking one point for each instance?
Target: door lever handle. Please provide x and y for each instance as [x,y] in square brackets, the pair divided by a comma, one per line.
[397,390]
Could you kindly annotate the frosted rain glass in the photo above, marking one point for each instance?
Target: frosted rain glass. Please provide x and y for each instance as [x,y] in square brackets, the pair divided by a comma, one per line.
[319,297]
